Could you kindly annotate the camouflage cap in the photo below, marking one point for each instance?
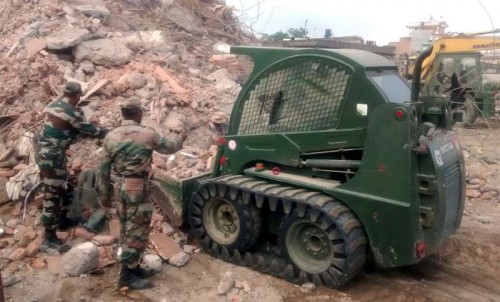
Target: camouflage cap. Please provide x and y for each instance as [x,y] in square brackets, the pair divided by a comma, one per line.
[73,89]
[132,103]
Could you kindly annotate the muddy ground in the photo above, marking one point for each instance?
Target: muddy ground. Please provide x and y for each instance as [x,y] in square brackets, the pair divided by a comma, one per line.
[466,267]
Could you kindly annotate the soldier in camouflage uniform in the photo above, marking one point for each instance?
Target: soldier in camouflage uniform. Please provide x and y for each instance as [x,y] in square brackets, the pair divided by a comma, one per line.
[63,122]
[129,149]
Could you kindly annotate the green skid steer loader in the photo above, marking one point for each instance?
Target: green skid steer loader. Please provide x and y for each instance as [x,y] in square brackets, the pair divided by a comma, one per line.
[331,161]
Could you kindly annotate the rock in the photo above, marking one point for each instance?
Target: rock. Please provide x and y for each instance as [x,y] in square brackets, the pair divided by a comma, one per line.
[121,85]
[81,259]
[189,249]
[476,181]
[95,11]
[136,81]
[12,223]
[20,232]
[149,40]
[33,247]
[153,262]
[477,171]
[87,67]
[166,229]
[174,121]
[18,254]
[479,252]
[488,188]
[484,220]
[103,52]
[38,263]
[66,37]
[179,259]
[226,283]
[307,287]
[219,117]
[246,286]
[184,18]
[471,193]
[104,239]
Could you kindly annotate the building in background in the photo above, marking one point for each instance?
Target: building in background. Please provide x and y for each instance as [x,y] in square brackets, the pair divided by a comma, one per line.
[423,33]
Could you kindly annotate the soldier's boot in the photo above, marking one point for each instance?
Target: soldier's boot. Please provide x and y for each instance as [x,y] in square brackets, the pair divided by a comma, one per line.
[66,223]
[129,278]
[144,273]
[51,242]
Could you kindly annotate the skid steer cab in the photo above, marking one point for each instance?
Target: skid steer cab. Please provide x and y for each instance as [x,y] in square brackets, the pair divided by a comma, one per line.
[331,161]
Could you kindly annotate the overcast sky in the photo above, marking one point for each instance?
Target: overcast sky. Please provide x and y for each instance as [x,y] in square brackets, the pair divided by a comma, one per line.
[380,20]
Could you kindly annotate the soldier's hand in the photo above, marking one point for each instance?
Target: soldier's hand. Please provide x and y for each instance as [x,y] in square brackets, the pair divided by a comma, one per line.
[105,202]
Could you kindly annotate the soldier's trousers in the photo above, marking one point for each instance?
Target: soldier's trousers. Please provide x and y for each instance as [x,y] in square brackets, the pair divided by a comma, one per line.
[134,211]
[56,197]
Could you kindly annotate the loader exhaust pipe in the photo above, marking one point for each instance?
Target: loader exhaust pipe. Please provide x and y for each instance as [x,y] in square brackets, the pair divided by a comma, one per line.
[417,72]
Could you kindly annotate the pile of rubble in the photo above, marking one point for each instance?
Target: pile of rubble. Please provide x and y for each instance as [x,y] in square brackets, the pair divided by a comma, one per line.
[169,65]
[20,242]
[481,179]
[159,51]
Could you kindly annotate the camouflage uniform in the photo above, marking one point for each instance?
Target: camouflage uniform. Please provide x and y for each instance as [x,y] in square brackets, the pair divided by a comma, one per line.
[62,124]
[129,149]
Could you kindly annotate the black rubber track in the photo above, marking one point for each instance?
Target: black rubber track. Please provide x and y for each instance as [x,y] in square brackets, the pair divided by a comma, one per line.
[350,250]
[249,216]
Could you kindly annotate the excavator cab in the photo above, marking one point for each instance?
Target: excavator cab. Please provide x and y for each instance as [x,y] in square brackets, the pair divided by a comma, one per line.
[458,75]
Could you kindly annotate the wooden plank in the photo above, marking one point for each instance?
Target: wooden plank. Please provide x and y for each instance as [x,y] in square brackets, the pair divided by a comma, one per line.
[164,76]
[96,87]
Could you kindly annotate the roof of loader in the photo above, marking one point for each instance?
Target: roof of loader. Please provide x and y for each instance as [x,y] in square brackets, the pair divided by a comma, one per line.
[354,57]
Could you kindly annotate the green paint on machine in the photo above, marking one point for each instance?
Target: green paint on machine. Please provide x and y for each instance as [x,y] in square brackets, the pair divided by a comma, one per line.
[330,143]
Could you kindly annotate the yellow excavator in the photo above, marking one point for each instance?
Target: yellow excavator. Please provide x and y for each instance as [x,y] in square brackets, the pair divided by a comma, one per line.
[454,67]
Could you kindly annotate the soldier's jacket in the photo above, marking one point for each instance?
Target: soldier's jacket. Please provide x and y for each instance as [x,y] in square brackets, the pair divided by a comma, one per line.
[62,124]
[129,149]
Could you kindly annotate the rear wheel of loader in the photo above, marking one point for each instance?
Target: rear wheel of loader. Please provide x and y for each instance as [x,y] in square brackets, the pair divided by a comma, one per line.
[219,219]
[330,248]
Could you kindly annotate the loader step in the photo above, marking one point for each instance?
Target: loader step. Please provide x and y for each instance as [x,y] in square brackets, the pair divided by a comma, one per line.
[294,179]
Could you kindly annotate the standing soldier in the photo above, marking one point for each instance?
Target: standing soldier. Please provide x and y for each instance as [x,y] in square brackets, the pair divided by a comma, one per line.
[62,123]
[129,149]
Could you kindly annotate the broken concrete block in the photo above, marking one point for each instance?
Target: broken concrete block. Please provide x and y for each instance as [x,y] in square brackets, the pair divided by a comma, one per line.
[18,254]
[103,52]
[153,262]
[33,248]
[165,246]
[226,283]
[81,259]
[66,37]
[94,11]
[189,249]
[38,263]
[136,81]
[179,259]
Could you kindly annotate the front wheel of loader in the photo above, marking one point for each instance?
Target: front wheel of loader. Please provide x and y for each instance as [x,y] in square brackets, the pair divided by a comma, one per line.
[220,219]
[329,249]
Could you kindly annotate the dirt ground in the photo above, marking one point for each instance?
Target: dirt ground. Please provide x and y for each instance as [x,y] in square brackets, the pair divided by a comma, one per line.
[466,267]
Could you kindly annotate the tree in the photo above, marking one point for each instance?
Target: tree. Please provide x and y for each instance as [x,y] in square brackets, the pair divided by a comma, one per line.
[276,37]
[291,33]
[298,32]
